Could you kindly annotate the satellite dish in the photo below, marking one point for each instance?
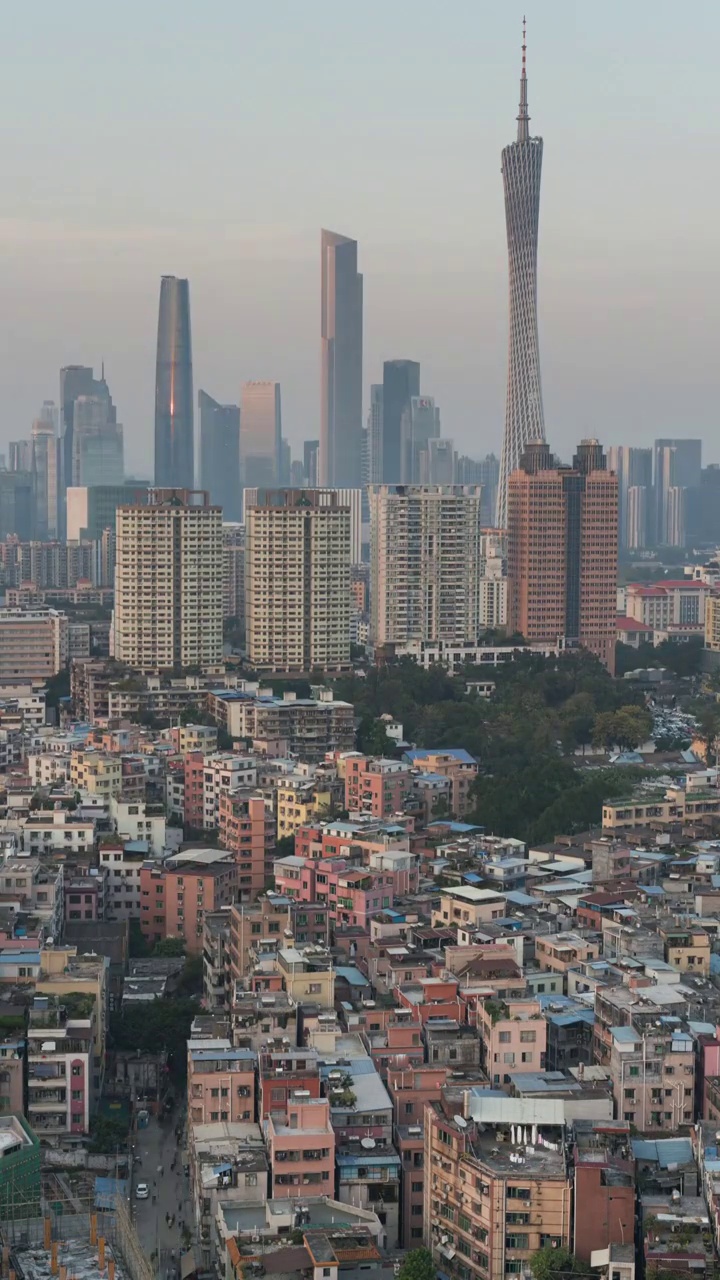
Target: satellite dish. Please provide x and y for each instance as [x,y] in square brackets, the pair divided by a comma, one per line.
[460,1121]
[367,1143]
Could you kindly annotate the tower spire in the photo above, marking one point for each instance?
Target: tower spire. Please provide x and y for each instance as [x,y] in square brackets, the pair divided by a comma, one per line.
[523,117]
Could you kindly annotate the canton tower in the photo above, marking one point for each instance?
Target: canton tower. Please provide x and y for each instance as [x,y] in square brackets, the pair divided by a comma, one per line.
[521,169]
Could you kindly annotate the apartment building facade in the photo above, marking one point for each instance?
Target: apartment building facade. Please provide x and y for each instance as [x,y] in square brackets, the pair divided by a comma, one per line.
[563,550]
[33,644]
[168,582]
[424,562]
[297,582]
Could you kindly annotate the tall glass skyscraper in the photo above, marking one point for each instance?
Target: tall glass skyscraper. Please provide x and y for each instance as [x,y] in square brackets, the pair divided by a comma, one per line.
[524,421]
[220,454]
[341,328]
[174,441]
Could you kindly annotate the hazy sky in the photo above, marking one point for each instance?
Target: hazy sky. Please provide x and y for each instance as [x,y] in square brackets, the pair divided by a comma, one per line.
[215,140]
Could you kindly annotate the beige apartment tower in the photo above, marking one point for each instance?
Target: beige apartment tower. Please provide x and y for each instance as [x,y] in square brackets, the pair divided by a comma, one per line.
[424,562]
[169,582]
[297,582]
[562,545]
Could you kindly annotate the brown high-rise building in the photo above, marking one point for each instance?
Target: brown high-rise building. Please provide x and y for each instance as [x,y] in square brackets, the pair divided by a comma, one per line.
[563,549]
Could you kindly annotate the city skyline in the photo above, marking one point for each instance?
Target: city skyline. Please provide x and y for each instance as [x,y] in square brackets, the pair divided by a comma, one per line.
[605,274]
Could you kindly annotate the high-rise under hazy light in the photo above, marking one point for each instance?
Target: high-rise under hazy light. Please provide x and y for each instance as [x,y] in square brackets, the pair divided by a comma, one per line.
[341,328]
[220,454]
[174,442]
[524,421]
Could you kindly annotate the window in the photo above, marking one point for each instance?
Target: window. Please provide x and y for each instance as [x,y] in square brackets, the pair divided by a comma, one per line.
[528,1037]
[417,1186]
[518,1193]
[516,1241]
[463,1222]
[416,1210]
[504,1037]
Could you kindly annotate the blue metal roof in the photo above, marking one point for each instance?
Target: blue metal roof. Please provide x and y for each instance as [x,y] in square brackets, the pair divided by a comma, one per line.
[665,1151]
[458,753]
[352,975]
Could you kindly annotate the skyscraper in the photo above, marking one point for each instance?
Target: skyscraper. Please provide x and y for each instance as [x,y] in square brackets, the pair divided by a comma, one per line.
[562,550]
[524,421]
[174,439]
[633,468]
[401,381]
[168,582]
[424,562]
[375,434]
[677,464]
[260,434]
[297,581]
[76,380]
[220,454]
[98,455]
[420,425]
[45,486]
[341,329]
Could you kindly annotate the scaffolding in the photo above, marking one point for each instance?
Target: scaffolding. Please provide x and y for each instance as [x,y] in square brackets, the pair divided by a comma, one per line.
[89,1245]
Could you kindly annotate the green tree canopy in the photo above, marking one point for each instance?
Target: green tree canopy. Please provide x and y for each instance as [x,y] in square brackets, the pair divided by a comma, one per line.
[548,1262]
[169,947]
[418,1265]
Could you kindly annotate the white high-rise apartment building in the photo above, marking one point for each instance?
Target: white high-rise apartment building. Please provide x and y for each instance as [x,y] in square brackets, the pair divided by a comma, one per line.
[297,581]
[424,562]
[45,478]
[169,582]
[352,498]
[493,580]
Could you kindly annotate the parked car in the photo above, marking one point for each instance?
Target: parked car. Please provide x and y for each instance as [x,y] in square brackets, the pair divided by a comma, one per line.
[142,1191]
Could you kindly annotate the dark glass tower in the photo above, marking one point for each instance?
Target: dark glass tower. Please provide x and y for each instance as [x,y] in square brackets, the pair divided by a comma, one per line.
[174,443]
[220,454]
[401,381]
[341,327]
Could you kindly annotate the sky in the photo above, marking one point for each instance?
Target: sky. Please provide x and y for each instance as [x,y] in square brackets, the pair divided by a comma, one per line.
[214,141]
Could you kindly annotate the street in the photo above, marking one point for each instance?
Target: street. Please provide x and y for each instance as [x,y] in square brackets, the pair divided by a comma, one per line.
[157,1145]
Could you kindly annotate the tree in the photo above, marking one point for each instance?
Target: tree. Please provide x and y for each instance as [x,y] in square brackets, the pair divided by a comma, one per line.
[106,1135]
[162,1024]
[548,1262]
[418,1265]
[372,738]
[169,947]
[627,727]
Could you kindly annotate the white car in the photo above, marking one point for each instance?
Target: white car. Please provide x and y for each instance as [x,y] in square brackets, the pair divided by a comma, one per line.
[142,1191]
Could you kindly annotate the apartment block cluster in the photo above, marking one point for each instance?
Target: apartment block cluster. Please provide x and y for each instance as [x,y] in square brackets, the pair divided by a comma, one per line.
[444,1038]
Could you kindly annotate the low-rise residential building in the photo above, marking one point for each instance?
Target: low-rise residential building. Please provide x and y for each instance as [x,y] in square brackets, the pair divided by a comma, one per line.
[513,1038]
[221,1082]
[687,949]
[59,1065]
[248,830]
[301,1147]
[469,907]
[140,820]
[520,1195]
[653,1077]
[175,895]
[99,773]
[375,786]
[453,763]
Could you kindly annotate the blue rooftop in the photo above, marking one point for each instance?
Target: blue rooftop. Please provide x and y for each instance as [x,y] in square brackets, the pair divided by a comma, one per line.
[352,975]
[458,753]
[664,1151]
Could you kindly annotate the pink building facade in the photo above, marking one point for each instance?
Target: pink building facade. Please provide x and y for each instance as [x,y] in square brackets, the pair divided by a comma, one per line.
[352,894]
[301,1149]
[376,787]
